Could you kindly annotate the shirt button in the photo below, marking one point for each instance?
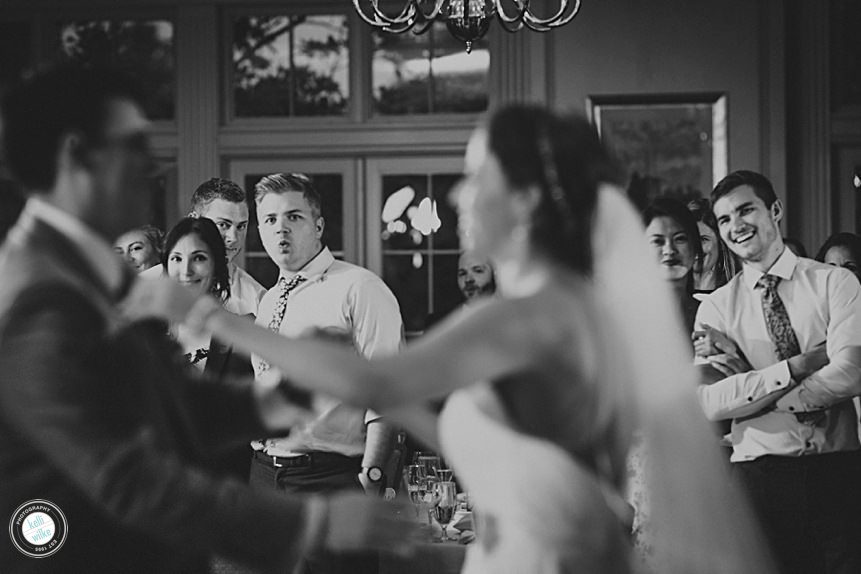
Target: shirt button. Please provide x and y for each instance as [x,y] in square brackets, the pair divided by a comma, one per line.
[792,408]
[778,383]
[808,444]
[750,399]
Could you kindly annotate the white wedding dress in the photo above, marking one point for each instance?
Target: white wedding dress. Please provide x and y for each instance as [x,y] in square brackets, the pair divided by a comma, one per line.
[541,510]
[537,510]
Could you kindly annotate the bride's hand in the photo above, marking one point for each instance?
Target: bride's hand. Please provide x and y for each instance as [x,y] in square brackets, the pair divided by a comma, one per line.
[162,298]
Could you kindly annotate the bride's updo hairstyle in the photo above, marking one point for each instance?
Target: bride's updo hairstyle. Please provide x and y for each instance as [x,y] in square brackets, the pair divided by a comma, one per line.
[563,156]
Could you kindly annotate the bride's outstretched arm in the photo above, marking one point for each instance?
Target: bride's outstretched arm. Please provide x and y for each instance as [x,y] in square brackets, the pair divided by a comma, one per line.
[499,338]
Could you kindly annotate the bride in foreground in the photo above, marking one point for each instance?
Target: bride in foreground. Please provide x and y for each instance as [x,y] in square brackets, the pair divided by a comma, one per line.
[548,381]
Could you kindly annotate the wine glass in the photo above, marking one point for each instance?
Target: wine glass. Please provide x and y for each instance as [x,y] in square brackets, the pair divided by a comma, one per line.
[416,481]
[444,474]
[446,501]
[430,461]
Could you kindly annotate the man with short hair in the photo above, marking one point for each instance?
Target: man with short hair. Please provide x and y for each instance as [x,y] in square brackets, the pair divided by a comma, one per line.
[97,419]
[475,277]
[795,446]
[223,201]
[343,447]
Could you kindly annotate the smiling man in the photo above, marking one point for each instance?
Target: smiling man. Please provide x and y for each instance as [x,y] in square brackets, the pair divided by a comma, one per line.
[790,332]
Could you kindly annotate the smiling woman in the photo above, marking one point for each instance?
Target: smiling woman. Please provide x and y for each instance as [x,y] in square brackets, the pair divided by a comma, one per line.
[194,255]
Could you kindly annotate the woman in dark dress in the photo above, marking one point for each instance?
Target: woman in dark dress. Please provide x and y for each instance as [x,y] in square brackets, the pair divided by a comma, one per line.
[672,232]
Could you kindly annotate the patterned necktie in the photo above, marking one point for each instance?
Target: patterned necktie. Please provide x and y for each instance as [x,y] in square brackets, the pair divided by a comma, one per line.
[777,319]
[281,305]
[285,287]
[781,333]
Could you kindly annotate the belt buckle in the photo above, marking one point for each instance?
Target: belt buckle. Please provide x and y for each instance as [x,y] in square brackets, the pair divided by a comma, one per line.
[275,462]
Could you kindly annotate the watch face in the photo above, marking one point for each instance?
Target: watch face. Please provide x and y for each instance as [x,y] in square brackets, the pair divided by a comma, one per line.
[375,474]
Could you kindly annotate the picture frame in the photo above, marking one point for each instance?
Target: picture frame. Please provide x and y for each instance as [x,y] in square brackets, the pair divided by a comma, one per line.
[666,144]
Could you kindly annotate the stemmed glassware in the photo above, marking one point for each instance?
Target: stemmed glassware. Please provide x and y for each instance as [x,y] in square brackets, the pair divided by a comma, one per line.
[430,461]
[445,502]
[415,478]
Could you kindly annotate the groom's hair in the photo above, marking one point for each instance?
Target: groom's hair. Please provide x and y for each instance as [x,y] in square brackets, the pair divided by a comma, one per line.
[50,103]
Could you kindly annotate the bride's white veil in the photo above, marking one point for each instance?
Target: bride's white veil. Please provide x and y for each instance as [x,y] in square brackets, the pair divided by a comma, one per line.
[701,522]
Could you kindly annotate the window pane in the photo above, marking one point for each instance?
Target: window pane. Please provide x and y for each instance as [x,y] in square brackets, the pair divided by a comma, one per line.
[845,54]
[429,73]
[420,244]
[407,277]
[443,186]
[261,267]
[446,294]
[402,196]
[290,65]
[143,48]
[160,190]
[11,204]
[15,42]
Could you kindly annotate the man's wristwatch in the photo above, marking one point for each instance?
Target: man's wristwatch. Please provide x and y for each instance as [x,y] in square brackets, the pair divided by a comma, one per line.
[374,473]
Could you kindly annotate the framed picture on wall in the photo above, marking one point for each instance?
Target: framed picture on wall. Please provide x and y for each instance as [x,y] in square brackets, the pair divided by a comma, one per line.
[672,144]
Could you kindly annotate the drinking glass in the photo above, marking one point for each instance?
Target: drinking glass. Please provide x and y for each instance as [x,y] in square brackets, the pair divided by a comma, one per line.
[416,482]
[444,474]
[446,502]
[430,461]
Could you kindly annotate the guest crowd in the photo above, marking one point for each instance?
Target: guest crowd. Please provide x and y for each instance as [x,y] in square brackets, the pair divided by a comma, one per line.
[674,389]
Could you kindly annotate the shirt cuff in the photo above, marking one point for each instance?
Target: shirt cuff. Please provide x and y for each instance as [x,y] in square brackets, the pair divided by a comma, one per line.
[773,379]
[776,377]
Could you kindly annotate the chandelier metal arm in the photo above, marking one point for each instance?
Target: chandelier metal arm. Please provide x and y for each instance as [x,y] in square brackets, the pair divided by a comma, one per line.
[522,9]
[408,17]
[380,19]
[558,19]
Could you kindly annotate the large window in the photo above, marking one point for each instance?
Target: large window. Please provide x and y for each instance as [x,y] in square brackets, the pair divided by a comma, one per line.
[290,65]
[412,230]
[428,74]
[143,48]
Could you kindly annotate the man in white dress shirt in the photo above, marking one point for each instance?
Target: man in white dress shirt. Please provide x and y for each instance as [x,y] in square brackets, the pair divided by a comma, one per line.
[790,329]
[341,447]
[223,201]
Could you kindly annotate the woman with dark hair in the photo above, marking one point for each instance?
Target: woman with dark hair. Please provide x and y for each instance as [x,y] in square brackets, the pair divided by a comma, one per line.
[194,256]
[717,264]
[843,250]
[672,232]
[548,379]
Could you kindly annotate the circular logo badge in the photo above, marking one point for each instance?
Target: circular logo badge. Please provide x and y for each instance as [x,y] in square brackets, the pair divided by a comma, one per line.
[38,528]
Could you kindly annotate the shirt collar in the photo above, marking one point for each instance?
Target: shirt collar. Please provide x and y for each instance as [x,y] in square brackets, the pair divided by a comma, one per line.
[783,268]
[316,266]
[92,246]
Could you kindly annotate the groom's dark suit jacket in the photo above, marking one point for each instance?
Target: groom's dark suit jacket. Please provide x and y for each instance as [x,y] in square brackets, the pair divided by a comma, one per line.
[99,418]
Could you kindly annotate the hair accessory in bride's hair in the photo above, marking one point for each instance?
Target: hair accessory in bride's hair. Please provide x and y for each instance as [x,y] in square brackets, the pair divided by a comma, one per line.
[551,174]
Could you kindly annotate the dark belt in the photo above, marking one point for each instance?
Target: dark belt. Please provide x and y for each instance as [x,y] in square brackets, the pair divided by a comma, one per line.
[307,459]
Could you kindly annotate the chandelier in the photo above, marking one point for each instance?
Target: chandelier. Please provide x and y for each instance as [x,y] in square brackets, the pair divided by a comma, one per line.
[466,20]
